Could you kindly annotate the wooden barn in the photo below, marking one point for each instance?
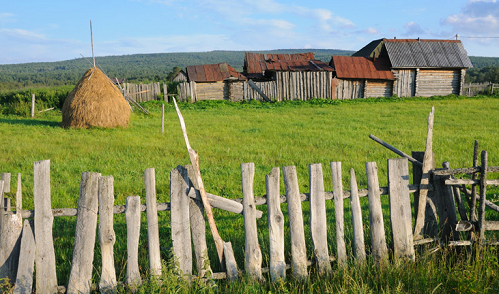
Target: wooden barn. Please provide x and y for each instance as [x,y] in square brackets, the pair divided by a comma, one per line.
[287,76]
[420,67]
[361,77]
[181,76]
[212,82]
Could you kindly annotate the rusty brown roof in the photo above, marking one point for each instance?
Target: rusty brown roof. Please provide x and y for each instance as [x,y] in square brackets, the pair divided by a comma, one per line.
[354,67]
[257,63]
[213,73]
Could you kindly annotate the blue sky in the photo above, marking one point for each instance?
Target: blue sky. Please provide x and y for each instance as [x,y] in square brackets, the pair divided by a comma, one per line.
[34,31]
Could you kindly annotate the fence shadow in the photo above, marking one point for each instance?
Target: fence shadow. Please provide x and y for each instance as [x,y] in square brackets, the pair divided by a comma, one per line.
[31,122]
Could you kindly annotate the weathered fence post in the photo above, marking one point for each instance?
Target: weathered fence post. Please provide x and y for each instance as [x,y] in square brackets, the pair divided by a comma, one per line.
[252,252]
[483,198]
[152,222]
[24,279]
[457,196]
[446,208]
[359,248]
[5,177]
[132,216]
[46,278]
[80,277]
[107,237]
[400,208]
[318,225]
[163,118]
[180,224]
[473,187]
[276,226]
[230,262]
[430,227]
[32,105]
[198,227]
[338,211]
[298,248]
[378,239]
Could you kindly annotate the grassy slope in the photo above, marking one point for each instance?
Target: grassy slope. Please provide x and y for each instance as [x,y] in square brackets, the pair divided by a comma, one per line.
[226,135]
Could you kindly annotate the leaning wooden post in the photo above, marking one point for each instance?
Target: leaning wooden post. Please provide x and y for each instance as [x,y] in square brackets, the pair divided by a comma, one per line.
[152,222]
[425,179]
[252,252]
[298,247]
[378,239]
[180,225]
[483,198]
[132,216]
[318,225]
[359,249]
[107,237]
[24,279]
[80,277]
[400,208]
[338,211]
[46,278]
[276,226]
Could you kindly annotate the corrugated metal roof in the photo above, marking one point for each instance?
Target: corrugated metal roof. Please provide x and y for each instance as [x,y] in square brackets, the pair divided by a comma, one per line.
[255,64]
[357,67]
[407,53]
[213,73]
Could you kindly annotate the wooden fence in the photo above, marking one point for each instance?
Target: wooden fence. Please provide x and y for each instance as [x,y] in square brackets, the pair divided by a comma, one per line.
[21,247]
[145,92]
[474,89]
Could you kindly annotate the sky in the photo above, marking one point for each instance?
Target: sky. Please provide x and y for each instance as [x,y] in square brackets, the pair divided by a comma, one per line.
[53,30]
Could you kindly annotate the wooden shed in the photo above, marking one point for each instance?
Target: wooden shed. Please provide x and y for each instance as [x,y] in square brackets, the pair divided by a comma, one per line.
[288,76]
[181,76]
[212,82]
[422,67]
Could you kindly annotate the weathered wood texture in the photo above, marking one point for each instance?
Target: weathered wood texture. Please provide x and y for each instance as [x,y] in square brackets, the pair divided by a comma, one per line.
[400,209]
[80,277]
[152,222]
[438,82]
[252,252]
[10,242]
[430,226]
[359,249]
[296,230]
[483,197]
[142,92]
[338,210]
[348,89]
[180,223]
[222,203]
[107,237]
[24,279]
[378,88]
[446,208]
[276,226]
[5,177]
[405,81]
[132,216]
[318,225]
[378,239]
[230,262]
[46,278]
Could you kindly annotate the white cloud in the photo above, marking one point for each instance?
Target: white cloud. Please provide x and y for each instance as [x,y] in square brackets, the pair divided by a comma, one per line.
[7,17]
[478,18]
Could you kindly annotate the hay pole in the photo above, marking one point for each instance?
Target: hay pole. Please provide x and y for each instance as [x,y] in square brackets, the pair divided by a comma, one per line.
[92,40]
[391,148]
[194,157]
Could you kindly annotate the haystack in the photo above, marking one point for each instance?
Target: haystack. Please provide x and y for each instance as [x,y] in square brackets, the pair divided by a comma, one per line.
[95,102]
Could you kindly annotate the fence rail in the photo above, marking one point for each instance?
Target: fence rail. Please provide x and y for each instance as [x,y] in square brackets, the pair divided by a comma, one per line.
[96,201]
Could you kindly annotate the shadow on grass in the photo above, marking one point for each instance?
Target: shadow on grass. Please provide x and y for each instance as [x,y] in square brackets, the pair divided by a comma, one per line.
[30,122]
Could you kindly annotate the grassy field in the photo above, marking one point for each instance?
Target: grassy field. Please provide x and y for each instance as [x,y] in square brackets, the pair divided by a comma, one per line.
[270,135]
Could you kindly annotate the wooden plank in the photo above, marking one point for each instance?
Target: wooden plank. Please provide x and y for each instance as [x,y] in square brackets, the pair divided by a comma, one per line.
[252,252]
[80,277]
[318,226]
[5,177]
[473,216]
[222,203]
[395,150]
[132,216]
[180,224]
[446,207]
[483,197]
[457,196]
[107,237]
[457,182]
[152,223]
[400,209]
[230,262]
[298,247]
[257,89]
[467,170]
[427,166]
[379,249]
[430,228]
[198,228]
[359,249]
[491,225]
[276,226]
[10,243]
[19,196]
[46,278]
[338,210]
[24,279]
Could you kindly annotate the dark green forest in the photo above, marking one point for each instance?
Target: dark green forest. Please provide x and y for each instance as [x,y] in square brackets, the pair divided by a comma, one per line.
[133,68]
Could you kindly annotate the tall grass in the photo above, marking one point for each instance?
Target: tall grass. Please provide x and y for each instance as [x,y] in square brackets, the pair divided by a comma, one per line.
[228,134]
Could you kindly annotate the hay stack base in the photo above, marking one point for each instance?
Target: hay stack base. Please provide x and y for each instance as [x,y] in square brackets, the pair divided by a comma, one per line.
[95,102]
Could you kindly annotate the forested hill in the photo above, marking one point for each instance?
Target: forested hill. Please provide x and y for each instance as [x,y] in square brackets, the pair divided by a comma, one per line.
[134,68]
[155,67]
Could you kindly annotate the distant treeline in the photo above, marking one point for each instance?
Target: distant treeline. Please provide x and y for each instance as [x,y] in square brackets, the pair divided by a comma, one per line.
[133,68]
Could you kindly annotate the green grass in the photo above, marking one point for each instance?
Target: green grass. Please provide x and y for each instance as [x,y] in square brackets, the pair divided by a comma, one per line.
[270,135]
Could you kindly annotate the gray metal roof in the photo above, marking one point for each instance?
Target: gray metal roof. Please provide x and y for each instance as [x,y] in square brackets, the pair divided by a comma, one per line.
[407,53]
